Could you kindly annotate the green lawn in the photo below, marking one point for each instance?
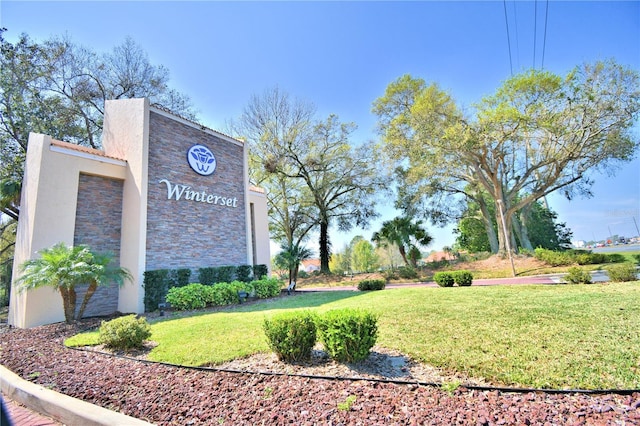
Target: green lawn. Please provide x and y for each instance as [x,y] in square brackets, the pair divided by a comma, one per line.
[547,336]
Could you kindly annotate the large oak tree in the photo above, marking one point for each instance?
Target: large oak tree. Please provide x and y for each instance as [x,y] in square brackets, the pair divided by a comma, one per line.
[538,134]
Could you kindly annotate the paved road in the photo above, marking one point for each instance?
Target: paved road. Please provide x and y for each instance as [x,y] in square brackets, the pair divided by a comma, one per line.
[617,249]
[597,276]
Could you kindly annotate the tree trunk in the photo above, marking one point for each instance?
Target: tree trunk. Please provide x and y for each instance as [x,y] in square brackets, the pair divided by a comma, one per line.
[324,248]
[90,291]
[488,226]
[403,254]
[520,227]
[68,303]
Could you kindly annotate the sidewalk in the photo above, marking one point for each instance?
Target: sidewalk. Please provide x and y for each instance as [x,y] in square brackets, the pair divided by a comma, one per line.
[19,415]
[41,402]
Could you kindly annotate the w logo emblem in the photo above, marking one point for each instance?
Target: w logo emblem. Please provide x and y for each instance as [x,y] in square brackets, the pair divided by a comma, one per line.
[201,160]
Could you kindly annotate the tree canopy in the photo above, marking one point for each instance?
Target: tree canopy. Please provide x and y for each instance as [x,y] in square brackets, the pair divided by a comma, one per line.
[406,235]
[538,134]
[58,88]
[313,160]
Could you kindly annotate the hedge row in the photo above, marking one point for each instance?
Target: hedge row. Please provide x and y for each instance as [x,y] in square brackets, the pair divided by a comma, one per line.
[448,278]
[198,296]
[347,334]
[158,282]
[580,257]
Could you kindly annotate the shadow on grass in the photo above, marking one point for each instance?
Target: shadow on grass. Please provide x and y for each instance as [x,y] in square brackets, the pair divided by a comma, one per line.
[297,300]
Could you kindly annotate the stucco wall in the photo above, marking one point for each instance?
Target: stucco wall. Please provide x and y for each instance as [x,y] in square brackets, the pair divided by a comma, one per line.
[47,217]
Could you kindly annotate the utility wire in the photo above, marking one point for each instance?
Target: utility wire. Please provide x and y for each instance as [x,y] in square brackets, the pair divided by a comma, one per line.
[535,30]
[515,23]
[544,41]
[506,21]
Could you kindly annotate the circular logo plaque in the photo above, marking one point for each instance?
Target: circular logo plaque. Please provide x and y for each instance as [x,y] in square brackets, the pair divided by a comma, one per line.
[201,160]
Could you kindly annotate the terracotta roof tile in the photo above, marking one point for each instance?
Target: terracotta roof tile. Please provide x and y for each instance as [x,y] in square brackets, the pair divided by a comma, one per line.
[85,149]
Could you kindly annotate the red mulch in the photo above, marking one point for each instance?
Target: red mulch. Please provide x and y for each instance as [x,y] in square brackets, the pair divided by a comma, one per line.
[176,396]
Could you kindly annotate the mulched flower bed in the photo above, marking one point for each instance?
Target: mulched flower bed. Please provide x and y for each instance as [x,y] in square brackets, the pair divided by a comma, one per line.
[167,395]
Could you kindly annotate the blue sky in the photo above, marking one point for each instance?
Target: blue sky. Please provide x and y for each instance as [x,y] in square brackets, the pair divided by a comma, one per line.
[342,55]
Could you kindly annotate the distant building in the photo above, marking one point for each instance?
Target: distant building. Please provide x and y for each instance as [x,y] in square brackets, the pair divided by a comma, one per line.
[310,265]
[439,256]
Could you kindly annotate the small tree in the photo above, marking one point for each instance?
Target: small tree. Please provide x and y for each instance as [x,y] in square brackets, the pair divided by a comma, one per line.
[64,268]
[405,234]
[290,258]
[364,258]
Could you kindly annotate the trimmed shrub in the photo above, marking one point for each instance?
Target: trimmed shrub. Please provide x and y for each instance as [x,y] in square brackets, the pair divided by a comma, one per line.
[260,272]
[291,335]
[390,274]
[407,273]
[267,287]
[615,258]
[218,274]
[243,273]
[124,333]
[463,278]
[366,285]
[587,258]
[192,296]
[578,276]
[444,279]
[207,276]
[622,272]
[155,283]
[555,258]
[221,294]
[226,274]
[179,277]
[348,334]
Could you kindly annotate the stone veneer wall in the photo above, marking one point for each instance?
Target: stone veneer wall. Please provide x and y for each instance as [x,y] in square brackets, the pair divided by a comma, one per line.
[98,224]
[186,233]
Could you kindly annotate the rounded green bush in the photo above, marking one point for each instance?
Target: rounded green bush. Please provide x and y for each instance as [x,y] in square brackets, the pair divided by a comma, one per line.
[192,296]
[444,279]
[291,335]
[463,278]
[267,287]
[578,276]
[407,273]
[366,285]
[348,334]
[124,333]
[622,272]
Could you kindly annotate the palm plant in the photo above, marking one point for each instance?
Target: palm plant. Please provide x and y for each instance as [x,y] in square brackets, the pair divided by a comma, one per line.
[404,233]
[64,268]
[290,257]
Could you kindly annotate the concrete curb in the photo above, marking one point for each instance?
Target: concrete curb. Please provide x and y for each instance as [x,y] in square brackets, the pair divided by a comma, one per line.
[63,408]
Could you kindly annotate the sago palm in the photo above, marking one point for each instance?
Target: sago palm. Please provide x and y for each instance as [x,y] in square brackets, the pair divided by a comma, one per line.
[63,268]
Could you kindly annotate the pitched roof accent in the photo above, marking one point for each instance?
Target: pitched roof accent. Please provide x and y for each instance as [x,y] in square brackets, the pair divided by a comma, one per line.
[85,149]
[256,189]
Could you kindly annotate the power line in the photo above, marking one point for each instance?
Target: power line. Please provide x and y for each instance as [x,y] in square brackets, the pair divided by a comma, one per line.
[544,42]
[535,30]
[515,23]
[506,21]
